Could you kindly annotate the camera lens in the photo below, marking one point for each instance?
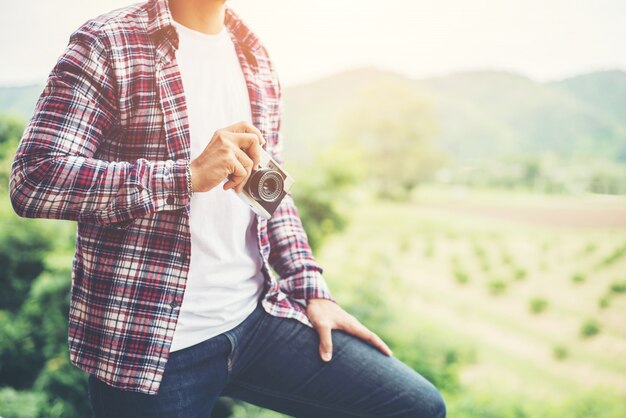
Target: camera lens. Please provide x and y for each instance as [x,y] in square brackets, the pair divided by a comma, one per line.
[266,185]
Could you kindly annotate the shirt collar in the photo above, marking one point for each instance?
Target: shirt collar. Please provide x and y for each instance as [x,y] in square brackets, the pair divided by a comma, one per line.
[160,25]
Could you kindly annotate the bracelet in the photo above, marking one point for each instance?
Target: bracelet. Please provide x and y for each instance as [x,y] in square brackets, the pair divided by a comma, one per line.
[188,177]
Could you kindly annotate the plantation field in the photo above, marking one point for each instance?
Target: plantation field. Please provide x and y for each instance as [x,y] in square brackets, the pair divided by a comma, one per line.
[531,288]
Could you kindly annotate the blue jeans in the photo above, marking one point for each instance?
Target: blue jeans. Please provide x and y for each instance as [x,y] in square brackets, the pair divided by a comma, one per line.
[275,363]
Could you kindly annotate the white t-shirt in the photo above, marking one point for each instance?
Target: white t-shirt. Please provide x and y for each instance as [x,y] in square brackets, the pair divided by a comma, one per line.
[225,278]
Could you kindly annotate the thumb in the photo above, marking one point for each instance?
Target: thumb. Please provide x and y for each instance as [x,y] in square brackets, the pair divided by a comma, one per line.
[326,342]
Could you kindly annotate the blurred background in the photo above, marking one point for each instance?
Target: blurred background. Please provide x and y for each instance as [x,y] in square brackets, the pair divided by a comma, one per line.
[461,171]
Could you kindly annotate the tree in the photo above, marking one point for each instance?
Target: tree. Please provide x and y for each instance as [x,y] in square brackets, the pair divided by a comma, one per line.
[36,377]
[392,127]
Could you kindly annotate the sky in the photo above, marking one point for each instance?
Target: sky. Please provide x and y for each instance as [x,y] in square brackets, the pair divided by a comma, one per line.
[543,39]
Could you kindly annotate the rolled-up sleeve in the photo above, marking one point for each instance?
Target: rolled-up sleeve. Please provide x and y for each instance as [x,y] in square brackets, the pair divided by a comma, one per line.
[55,174]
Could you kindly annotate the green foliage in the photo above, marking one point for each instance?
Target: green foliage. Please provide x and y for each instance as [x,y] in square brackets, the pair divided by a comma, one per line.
[507,259]
[21,404]
[437,361]
[589,328]
[537,305]
[600,403]
[484,116]
[519,274]
[461,276]
[497,286]
[392,128]
[35,259]
[618,286]
[578,277]
[22,252]
[499,404]
[487,405]
[10,134]
[560,352]
[616,255]
[322,198]
[549,174]
[604,301]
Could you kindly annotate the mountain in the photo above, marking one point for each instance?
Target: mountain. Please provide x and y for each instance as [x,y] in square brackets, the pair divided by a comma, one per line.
[479,115]
[605,90]
[19,101]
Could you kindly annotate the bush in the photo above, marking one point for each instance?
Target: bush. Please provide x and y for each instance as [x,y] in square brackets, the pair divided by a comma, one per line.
[589,328]
[560,352]
[437,360]
[578,277]
[497,286]
[480,252]
[461,277]
[323,199]
[21,404]
[618,287]
[507,259]
[614,256]
[520,274]
[604,301]
[537,305]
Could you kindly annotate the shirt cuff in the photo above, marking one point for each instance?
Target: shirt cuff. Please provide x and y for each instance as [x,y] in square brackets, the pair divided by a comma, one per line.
[307,284]
[169,185]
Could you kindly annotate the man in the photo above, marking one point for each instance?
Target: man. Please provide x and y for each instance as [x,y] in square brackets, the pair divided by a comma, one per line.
[150,122]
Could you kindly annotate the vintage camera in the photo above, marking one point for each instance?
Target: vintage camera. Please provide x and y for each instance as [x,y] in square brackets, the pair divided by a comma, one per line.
[266,187]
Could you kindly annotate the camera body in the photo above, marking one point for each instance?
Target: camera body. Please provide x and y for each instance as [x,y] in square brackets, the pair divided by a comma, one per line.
[266,187]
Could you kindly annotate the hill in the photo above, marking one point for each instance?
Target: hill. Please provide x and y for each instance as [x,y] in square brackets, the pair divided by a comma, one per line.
[19,101]
[479,115]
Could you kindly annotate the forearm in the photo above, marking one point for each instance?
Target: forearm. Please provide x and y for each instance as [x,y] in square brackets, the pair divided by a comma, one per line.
[95,191]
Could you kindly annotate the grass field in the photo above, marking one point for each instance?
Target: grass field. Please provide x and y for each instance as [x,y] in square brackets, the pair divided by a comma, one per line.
[533,287]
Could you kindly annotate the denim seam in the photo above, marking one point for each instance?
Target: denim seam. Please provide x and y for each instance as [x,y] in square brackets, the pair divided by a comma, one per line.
[295,398]
[232,341]
[229,357]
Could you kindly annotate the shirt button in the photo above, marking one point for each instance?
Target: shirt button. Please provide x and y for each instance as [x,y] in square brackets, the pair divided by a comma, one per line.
[170,200]
[174,304]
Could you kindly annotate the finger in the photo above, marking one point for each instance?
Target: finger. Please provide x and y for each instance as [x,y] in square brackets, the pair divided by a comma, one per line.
[326,342]
[247,127]
[251,128]
[247,164]
[238,172]
[361,331]
[250,144]
[380,344]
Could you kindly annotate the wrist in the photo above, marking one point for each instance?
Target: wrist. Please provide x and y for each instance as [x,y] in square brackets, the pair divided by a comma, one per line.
[316,301]
[189,178]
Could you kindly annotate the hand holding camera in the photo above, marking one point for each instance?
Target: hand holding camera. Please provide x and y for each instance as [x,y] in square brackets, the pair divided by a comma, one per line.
[232,153]
[235,153]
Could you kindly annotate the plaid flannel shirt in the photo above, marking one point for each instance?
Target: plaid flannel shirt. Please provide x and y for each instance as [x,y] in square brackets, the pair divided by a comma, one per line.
[108,147]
